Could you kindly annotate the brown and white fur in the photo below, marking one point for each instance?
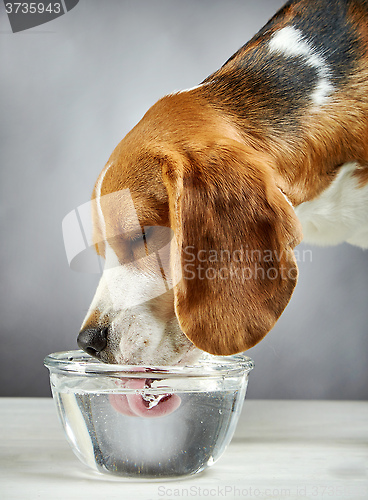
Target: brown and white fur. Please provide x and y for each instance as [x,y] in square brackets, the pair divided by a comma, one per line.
[271,148]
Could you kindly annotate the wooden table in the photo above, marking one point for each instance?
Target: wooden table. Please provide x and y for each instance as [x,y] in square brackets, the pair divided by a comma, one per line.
[281,450]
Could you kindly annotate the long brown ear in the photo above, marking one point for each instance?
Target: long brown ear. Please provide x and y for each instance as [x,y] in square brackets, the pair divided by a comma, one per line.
[235,233]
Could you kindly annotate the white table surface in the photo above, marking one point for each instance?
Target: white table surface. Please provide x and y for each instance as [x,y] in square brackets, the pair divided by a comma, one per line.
[281,450]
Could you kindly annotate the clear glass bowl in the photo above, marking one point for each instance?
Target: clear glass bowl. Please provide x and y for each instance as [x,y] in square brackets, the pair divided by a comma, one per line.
[148,422]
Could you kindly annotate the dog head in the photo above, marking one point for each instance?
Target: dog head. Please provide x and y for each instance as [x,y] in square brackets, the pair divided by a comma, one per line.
[197,240]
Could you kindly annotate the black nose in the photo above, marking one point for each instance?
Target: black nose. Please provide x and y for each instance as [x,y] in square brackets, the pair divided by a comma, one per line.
[93,340]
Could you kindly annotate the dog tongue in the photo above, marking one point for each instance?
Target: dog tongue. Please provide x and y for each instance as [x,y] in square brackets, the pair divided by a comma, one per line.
[137,405]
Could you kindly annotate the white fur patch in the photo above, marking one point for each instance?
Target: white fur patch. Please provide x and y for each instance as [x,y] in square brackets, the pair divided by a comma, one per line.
[98,200]
[194,88]
[290,42]
[127,286]
[339,214]
[122,287]
[191,88]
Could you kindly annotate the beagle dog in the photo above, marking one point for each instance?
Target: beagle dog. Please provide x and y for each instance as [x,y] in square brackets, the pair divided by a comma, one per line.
[200,206]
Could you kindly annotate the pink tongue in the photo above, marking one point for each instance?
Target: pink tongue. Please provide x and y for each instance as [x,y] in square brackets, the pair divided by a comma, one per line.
[135,405]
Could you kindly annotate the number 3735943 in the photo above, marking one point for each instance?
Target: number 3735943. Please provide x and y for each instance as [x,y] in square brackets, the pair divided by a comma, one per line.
[33,8]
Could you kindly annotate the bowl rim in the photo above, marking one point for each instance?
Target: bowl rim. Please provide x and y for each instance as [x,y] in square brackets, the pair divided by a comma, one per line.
[79,362]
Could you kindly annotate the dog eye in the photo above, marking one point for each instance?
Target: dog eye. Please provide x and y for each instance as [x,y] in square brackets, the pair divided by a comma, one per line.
[157,237]
[148,232]
[136,237]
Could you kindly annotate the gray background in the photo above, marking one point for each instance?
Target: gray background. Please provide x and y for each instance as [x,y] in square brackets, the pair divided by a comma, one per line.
[70,90]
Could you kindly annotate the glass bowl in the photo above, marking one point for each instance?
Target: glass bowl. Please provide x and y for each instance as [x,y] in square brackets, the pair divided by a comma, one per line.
[148,422]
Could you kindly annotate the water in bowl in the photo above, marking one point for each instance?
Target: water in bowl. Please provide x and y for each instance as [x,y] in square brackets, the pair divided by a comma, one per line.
[179,444]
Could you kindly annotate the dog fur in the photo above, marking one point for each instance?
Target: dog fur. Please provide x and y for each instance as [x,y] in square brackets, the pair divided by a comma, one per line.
[271,148]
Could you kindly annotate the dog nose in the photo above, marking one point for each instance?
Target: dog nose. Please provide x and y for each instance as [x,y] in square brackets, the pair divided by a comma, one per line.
[92,340]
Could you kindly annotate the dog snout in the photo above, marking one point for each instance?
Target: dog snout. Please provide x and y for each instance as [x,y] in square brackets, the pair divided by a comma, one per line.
[93,340]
